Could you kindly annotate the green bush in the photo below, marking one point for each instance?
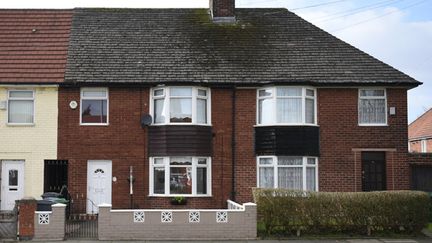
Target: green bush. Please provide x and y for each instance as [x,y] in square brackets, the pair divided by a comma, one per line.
[285,212]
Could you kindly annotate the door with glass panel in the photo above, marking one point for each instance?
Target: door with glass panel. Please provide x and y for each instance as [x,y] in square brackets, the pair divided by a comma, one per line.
[99,176]
[373,171]
[12,183]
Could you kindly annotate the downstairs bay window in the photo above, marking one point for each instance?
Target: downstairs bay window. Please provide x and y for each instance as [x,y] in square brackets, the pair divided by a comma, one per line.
[180,176]
[289,172]
[286,106]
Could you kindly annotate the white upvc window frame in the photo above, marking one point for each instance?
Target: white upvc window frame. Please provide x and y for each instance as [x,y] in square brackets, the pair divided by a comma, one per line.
[167,97]
[166,165]
[94,98]
[9,98]
[423,146]
[274,98]
[275,167]
[372,97]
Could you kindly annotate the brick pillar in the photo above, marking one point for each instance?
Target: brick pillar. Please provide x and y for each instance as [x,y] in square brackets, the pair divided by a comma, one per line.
[104,221]
[26,208]
[251,219]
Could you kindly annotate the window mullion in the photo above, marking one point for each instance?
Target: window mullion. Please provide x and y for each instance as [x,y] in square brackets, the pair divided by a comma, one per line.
[208,110]
[275,172]
[274,105]
[167,173]
[304,173]
[167,106]
[151,181]
[193,175]
[209,170]
[194,98]
[303,102]
[316,174]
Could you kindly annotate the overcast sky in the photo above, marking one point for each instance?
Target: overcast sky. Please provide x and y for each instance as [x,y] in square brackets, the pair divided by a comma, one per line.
[398,32]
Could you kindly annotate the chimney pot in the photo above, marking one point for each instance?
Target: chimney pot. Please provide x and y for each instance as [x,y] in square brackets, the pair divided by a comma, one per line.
[222,11]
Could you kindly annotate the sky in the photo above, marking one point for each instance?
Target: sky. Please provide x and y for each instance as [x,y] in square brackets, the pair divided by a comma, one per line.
[397,32]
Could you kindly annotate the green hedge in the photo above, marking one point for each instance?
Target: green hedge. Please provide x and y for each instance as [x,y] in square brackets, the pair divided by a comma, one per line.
[285,212]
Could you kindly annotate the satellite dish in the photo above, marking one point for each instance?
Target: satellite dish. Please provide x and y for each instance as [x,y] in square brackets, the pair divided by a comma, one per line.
[146,120]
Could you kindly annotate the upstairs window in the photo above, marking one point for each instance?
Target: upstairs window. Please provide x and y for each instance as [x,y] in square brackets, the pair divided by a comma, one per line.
[289,172]
[21,107]
[372,106]
[181,105]
[94,106]
[286,106]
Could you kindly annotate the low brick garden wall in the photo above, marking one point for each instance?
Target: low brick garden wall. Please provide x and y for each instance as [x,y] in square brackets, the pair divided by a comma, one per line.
[50,225]
[236,222]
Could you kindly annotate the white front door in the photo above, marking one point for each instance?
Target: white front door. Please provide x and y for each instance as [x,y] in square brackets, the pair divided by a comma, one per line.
[12,183]
[98,184]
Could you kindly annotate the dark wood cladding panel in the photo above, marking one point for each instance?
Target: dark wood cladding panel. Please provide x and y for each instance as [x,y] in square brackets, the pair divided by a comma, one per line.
[287,140]
[180,140]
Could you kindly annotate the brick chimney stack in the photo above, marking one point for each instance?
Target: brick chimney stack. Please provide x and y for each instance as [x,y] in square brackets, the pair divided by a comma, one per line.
[222,11]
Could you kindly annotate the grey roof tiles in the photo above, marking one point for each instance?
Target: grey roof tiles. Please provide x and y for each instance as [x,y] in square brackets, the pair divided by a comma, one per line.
[183,45]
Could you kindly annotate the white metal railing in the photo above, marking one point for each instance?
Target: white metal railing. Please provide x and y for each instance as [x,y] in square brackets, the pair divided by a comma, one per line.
[234,206]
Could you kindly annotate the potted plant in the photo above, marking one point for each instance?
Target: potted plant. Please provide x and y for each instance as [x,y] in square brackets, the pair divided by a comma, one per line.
[179,200]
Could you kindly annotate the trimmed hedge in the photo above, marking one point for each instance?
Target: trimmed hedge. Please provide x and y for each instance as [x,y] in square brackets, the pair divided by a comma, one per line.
[285,212]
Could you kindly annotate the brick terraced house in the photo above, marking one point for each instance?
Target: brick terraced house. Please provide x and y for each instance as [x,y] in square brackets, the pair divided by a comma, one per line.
[206,104]
[33,49]
[420,134]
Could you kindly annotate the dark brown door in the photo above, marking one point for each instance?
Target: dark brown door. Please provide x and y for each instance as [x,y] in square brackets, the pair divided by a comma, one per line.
[373,171]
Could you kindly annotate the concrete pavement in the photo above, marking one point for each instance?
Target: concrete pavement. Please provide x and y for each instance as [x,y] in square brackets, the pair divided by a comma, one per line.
[415,240]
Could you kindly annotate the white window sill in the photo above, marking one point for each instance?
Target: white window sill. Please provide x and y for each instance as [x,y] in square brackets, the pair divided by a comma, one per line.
[20,124]
[286,125]
[94,124]
[180,124]
[373,125]
[177,195]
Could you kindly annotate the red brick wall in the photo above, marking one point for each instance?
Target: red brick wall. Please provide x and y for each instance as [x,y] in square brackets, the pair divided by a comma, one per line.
[339,166]
[420,158]
[245,155]
[124,142]
[27,208]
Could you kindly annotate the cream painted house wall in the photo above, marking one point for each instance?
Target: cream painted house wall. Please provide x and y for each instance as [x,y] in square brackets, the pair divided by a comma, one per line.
[32,143]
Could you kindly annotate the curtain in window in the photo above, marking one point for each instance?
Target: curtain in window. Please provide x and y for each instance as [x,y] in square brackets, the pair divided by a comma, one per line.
[266,113]
[288,160]
[181,109]
[289,110]
[201,180]
[201,111]
[290,178]
[310,111]
[372,111]
[281,91]
[266,177]
[310,179]
[159,180]
[21,111]
[159,110]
